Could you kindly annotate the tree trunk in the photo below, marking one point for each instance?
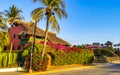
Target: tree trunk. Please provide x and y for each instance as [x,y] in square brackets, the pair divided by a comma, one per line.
[46,35]
[9,60]
[33,45]
[34,35]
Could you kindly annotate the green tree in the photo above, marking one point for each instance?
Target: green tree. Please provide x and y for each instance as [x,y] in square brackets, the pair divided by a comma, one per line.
[51,9]
[4,40]
[3,25]
[12,14]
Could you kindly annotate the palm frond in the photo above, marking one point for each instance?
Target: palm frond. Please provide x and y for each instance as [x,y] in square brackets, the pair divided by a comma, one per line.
[62,4]
[34,0]
[60,13]
[52,7]
[13,13]
[38,14]
[45,2]
[64,13]
[52,2]
[55,25]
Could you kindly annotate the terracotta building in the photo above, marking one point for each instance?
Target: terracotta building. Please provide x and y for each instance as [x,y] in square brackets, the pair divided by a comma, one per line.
[19,28]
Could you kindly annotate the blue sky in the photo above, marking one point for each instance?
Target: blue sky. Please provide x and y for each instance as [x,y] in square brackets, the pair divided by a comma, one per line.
[89,20]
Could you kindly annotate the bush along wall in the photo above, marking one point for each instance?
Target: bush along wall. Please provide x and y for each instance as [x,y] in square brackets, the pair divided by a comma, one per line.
[8,61]
[61,57]
[39,64]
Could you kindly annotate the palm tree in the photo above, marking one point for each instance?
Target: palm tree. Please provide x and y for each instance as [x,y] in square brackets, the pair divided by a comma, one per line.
[52,9]
[12,14]
[3,25]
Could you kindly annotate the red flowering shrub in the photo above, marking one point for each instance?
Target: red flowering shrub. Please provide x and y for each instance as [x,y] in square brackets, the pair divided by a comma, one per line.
[64,55]
[39,64]
[63,58]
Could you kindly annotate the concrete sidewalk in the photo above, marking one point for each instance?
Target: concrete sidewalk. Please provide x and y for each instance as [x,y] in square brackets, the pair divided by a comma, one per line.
[54,69]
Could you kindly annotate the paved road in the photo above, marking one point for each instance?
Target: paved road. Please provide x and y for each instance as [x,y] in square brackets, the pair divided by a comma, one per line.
[106,70]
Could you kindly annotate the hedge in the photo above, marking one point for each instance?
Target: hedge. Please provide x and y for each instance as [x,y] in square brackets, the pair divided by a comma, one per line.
[39,64]
[60,57]
[8,61]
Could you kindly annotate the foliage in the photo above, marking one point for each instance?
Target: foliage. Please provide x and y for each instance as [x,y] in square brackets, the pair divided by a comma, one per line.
[24,41]
[60,57]
[117,52]
[12,14]
[27,50]
[26,56]
[104,52]
[4,40]
[10,53]
[4,57]
[81,46]
[3,25]
[51,9]
[39,64]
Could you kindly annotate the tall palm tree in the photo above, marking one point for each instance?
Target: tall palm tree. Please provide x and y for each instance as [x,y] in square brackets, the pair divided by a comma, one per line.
[12,14]
[51,9]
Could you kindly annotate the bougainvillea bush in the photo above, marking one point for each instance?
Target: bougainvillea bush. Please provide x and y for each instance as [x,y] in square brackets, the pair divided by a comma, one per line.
[62,57]
[39,64]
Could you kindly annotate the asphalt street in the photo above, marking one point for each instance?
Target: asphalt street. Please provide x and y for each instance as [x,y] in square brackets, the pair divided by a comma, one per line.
[113,69]
[104,69]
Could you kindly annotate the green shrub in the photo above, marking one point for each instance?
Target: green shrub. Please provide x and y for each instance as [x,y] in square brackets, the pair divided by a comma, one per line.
[86,57]
[117,52]
[104,52]
[4,58]
[27,50]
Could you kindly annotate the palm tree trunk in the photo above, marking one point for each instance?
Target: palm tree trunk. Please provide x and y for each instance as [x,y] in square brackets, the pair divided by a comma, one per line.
[34,35]
[33,45]
[46,35]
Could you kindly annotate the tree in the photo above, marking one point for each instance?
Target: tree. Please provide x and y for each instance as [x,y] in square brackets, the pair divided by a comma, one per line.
[12,14]
[4,40]
[51,9]
[3,25]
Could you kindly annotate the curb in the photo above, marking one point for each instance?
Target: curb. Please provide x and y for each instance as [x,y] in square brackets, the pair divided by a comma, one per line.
[11,69]
[61,70]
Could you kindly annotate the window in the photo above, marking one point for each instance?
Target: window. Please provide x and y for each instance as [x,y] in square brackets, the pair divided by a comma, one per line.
[19,37]
[13,47]
[5,47]
[18,47]
[14,36]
